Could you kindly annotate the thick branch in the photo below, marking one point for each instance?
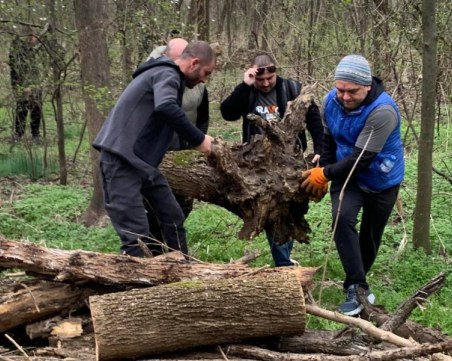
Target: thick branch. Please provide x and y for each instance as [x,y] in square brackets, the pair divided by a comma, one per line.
[388,355]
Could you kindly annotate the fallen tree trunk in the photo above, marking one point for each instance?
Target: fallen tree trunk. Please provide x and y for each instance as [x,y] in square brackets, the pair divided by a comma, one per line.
[185,315]
[109,269]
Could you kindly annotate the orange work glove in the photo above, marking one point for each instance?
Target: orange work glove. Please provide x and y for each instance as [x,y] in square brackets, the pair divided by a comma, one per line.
[320,194]
[313,181]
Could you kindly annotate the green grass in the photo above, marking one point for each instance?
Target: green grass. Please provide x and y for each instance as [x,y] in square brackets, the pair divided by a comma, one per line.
[49,215]
[28,160]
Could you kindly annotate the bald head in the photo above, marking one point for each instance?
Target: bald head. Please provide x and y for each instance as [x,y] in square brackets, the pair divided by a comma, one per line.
[175,48]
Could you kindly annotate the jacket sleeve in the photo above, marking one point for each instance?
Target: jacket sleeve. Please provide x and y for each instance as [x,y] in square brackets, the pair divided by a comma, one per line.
[173,115]
[340,170]
[328,155]
[315,127]
[236,104]
[202,119]
[337,170]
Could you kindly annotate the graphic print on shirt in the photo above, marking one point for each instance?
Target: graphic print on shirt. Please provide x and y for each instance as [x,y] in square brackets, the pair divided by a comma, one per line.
[266,107]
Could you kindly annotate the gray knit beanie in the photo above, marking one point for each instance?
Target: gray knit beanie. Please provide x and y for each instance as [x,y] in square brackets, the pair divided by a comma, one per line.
[354,68]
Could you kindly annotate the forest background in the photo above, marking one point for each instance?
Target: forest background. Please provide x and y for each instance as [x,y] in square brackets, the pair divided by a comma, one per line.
[50,194]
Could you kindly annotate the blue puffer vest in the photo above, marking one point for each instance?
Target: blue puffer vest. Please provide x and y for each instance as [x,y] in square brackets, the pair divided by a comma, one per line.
[345,129]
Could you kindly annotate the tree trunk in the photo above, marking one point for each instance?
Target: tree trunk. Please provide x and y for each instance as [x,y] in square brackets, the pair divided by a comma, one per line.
[95,70]
[421,226]
[121,271]
[192,314]
[56,60]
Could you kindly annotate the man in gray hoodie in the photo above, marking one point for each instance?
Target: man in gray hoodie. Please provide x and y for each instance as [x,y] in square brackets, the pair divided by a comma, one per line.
[134,139]
[195,104]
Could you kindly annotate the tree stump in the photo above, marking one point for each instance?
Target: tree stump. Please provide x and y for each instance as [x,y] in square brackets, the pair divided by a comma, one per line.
[258,181]
[190,314]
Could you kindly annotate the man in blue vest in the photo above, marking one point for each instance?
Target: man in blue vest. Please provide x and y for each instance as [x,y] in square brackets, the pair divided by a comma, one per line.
[362,126]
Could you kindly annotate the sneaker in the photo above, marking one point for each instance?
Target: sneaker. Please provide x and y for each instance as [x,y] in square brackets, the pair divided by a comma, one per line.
[351,306]
[295,263]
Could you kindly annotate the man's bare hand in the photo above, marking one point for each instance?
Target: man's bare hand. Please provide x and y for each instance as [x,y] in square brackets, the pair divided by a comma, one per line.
[250,76]
[206,145]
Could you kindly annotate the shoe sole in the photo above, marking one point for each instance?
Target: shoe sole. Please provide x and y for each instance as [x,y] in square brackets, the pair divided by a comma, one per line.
[353,312]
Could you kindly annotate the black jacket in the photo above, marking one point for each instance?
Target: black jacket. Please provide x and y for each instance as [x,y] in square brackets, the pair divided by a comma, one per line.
[242,101]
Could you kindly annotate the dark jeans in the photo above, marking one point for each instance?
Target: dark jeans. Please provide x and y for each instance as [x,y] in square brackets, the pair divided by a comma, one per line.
[156,243]
[28,103]
[125,187]
[280,252]
[358,251]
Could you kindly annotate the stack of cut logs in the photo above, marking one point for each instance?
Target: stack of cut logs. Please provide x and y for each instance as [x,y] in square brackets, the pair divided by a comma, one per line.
[92,306]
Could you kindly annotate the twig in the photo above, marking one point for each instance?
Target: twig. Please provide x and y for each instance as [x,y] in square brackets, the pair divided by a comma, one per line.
[341,196]
[365,326]
[247,258]
[32,296]
[17,345]
[222,353]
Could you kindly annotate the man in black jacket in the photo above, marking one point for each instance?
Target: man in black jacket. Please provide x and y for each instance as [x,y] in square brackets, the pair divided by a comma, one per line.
[25,62]
[265,93]
[134,139]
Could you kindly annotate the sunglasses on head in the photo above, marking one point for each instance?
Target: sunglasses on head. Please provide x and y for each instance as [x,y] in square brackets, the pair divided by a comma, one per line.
[261,70]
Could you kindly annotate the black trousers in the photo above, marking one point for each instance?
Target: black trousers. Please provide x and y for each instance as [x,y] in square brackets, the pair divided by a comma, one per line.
[125,187]
[156,242]
[26,103]
[358,251]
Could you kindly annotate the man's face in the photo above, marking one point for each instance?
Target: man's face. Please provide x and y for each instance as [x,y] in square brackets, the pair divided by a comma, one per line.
[265,82]
[198,73]
[351,95]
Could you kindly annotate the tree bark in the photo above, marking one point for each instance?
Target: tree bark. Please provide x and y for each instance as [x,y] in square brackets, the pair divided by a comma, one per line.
[28,303]
[112,270]
[191,314]
[95,72]
[387,355]
[258,181]
[421,225]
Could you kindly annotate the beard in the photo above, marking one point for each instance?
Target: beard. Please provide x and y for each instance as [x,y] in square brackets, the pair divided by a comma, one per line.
[191,80]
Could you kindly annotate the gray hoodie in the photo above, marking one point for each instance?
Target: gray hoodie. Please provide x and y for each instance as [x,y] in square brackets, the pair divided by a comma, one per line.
[141,125]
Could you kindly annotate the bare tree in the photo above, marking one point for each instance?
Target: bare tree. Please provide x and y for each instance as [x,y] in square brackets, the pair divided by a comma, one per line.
[199,15]
[58,66]
[421,228]
[95,71]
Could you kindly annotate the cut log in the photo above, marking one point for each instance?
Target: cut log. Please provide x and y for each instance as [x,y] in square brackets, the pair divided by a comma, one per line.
[31,301]
[109,269]
[191,314]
